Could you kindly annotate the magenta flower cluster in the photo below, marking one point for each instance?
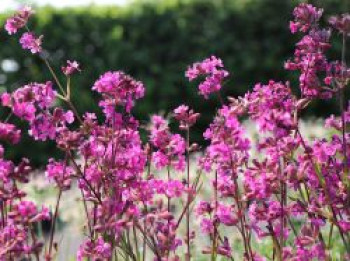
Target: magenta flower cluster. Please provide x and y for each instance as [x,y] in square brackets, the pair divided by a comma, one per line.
[141,197]
[212,69]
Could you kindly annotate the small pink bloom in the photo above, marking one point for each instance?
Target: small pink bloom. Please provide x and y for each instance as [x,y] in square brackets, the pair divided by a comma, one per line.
[6,99]
[71,67]
[211,68]
[30,42]
[293,27]
[18,20]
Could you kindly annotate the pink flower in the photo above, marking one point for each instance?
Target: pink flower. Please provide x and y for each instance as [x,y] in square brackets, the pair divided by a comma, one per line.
[30,42]
[293,27]
[10,133]
[207,226]
[6,99]
[69,117]
[18,20]
[44,95]
[185,116]
[272,107]
[170,148]
[214,75]
[97,250]
[207,66]
[60,173]
[344,225]
[6,168]
[226,215]
[341,23]
[71,67]
[24,110]
[27,209]
[305,16]
[121,89]
[203,207]
[42,127]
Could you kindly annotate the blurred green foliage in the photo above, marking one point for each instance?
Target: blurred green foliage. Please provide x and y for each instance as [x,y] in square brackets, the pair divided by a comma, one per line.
[155,41]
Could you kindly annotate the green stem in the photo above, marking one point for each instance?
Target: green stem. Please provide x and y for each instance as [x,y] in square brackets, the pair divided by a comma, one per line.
[53,223]
[188,257]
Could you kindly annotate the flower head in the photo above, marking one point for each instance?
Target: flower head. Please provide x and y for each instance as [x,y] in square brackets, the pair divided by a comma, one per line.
[211,68]
[60,173]
[18,20]
[119,88]
[185,116]
[341,23]
[9,132]
[71,67]
[305,16]
[31,42]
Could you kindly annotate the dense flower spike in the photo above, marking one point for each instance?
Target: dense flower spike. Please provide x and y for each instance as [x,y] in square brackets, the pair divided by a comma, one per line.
[272,106]
[309,57]
[276,187]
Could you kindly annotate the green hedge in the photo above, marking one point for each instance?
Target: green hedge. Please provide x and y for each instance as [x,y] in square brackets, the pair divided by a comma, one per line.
[155,42]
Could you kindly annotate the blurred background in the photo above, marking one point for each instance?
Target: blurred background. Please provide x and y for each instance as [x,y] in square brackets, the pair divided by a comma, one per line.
[155,41]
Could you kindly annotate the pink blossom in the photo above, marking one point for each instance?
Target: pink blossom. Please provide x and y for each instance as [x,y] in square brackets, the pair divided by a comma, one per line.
[6,168]
[170,148]
[71,68]
[207,226]
[18,20]
[214,75]
[9,132]
[97,249]
[341,23]
[225,215]
[305,16]
[26,209]
[24,110]
[60,173]
[121,88]
[30,42]
[6,99]
[185,116]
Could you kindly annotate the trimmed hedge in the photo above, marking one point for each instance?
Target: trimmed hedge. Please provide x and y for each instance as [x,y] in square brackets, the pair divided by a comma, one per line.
[155,42]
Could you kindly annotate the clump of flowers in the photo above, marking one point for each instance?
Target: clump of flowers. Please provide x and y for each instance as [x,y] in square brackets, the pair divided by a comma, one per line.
[18,20]
[119,89]
[280,188]
[212,69]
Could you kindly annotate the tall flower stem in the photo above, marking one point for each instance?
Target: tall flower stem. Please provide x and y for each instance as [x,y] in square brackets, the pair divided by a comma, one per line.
[65,93]
[341,104]
[54,76]
[283,203]
[327,196]
[214,247]
[53,223]
[189,194]
[168,204]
